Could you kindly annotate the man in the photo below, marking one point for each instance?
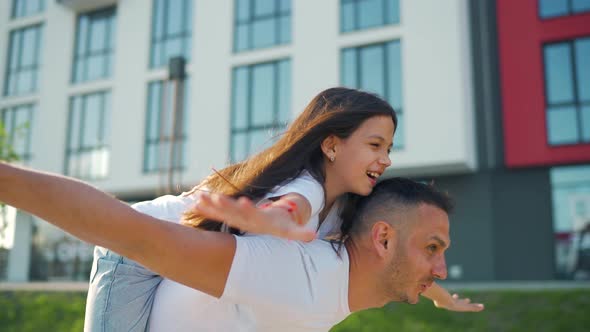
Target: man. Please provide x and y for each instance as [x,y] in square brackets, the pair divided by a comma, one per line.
[395,251]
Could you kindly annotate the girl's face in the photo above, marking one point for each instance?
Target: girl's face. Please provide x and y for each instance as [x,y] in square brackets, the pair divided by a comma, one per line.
[359,159]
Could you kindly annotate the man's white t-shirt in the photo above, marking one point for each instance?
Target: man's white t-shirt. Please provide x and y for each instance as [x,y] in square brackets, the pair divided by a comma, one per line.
[274,284]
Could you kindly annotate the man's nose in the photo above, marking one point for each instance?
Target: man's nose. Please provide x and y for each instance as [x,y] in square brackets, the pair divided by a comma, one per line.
[439,270]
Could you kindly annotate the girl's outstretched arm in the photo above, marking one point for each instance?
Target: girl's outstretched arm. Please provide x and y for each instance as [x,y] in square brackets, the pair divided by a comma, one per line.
[98,218]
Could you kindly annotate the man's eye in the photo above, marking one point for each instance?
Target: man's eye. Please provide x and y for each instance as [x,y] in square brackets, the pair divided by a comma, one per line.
[432,247]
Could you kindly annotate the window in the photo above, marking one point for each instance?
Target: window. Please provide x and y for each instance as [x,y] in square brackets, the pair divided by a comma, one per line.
[171,31]
[23,61]
[22,8]
[95,39]
[363,14]
[87,151]
[557,8]
[261,100]
[567,91]
[571,221]
[377,68]
[261,23]
[17,122]
[164,148]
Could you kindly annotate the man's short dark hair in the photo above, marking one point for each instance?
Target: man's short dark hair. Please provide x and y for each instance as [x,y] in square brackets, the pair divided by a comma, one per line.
[396,195]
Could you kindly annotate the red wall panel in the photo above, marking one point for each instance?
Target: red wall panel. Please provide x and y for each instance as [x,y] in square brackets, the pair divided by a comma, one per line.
[521,35]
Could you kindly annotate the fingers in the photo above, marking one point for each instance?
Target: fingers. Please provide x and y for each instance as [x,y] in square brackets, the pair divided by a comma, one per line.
[241,213]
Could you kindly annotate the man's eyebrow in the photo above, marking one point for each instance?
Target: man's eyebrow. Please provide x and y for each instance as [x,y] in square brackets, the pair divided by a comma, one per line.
[440,241]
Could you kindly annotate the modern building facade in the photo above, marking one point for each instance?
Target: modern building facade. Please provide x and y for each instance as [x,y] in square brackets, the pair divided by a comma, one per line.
[86,92]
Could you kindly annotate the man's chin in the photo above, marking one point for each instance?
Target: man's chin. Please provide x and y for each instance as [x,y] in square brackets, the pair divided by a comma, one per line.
[413,300]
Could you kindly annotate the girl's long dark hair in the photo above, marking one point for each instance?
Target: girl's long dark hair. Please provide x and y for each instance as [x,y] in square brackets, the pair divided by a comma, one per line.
[336,111]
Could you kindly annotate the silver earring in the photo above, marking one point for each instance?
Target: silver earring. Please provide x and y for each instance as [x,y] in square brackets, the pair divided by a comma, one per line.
[332,158]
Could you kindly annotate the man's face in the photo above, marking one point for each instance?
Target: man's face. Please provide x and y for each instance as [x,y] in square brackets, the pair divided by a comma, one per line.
[419,254]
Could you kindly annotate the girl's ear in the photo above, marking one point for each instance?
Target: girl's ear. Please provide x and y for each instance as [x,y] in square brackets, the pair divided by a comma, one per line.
[328,145]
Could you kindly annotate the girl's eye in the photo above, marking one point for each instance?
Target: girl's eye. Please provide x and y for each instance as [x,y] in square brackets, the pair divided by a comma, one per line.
[375,144]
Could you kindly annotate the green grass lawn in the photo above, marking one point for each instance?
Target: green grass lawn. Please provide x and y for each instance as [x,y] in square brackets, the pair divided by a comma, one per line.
[563,310]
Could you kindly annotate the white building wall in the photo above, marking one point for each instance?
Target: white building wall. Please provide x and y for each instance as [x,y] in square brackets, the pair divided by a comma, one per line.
[437,90]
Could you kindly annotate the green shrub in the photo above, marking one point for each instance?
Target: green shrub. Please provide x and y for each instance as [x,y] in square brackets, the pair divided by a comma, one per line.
[41,311]
[563,310]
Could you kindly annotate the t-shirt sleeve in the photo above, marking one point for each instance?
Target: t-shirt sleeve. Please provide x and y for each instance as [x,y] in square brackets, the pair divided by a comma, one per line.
[168,207]
[306,186]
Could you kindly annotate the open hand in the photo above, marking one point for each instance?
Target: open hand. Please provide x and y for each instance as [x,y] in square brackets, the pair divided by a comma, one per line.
[459,304]
[242,214]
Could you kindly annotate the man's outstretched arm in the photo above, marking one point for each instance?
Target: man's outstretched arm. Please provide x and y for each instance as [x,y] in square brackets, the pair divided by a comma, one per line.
[198,259]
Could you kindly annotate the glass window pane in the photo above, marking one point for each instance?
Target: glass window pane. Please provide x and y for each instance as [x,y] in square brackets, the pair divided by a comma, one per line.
[582,49]
[348,70]
[284,6]
[74,123]
[25,81]
[562,127]
[154,103]
[173,48]
[187,48]
[33,7]
[372,69]
[79,70]
[284,85]
[150,158]
[29,47]
[173,19]
[347,15]
[158,20]
[558,74]
[241,37]
[391,11]
[98,31]
[111,34]
[239,147]
[82,35]
[264,33]
[579,6]
[263,92]
[259,140]
[242,10]
[285,28]
[188,24]
[96,67]
[552,8]
[264,7]
[394,93]
[38,45]
[585,114]
[240,98]
[15,48]
[156,55]
[92,119]
[370,13]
